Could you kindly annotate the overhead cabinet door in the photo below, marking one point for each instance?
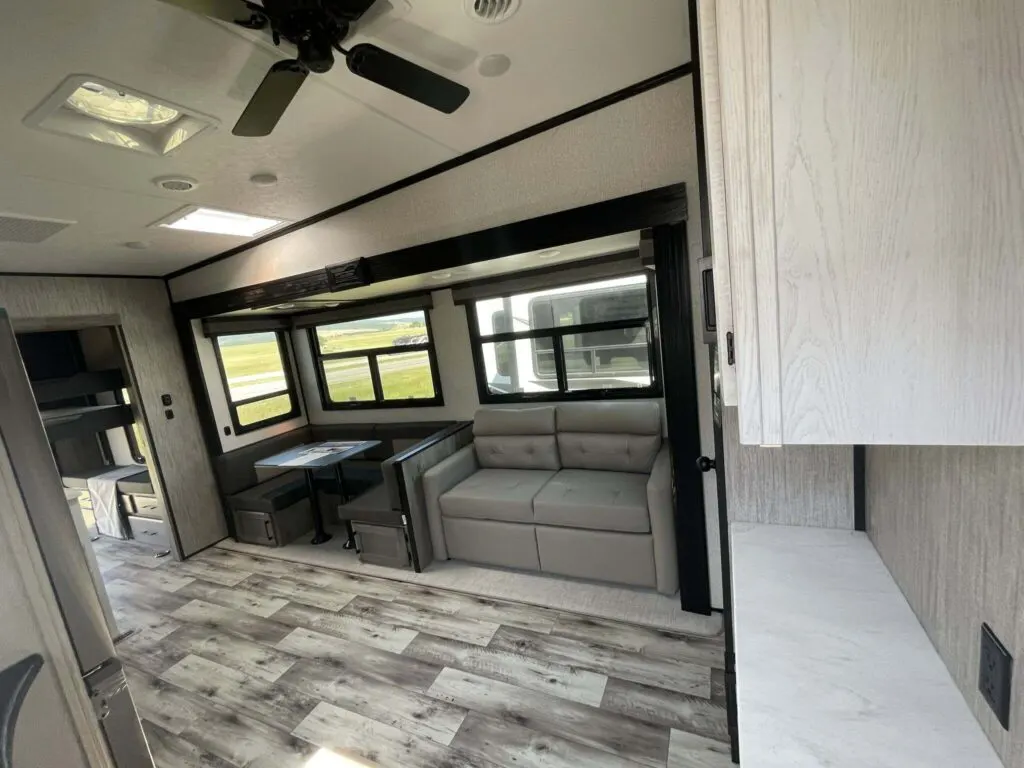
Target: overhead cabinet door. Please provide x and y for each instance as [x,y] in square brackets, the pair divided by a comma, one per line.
[874,158]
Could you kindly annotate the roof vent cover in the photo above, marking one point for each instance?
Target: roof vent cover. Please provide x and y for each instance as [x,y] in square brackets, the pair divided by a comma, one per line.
[15,228]
[490,11]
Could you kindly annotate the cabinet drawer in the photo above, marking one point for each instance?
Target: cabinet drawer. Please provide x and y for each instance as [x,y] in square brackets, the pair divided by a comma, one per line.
[146,530]
[273,529]
[143,505]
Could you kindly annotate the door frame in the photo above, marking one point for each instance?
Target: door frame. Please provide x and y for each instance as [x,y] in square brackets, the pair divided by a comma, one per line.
[80,322]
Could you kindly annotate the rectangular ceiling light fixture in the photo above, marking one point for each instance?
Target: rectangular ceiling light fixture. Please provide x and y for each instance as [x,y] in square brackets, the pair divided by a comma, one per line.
[194,218]
[91,108]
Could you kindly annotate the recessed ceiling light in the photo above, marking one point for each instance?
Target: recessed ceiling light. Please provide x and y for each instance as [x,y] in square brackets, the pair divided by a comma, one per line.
[213,221]
[440,275]
[263,179]
[88,107]
[136,245]
[548,254]
[283,306]
[176,183]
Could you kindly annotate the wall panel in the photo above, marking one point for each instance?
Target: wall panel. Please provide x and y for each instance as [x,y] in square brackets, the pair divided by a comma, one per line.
[792,485]
[948,526]
[143,309]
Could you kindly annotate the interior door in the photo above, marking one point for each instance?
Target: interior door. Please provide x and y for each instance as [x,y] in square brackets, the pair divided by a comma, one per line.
[56,654]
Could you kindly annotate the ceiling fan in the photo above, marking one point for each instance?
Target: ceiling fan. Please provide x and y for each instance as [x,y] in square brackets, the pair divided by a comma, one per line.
[317,29]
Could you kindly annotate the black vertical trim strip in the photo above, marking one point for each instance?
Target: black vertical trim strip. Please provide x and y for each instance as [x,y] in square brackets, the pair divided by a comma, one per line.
[723,535]
[860,517]
[378,388]
[675,317]
[561,376]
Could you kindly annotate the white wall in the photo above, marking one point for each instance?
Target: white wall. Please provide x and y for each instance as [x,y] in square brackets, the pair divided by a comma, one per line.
[219,398]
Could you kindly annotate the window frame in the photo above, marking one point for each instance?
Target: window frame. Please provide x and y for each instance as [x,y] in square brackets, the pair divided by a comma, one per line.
[289,377]
[557,333]
[378,403]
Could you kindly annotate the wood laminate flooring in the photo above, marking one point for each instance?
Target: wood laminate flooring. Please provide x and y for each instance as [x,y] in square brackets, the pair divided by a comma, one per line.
[242,661]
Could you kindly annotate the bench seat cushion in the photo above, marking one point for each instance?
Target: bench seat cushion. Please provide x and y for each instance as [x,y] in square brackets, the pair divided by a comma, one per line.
[138,483]
[271,495]
[598,501]
[496,494]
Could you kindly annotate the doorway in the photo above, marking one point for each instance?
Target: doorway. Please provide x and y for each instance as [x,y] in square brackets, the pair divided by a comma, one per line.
[84,388]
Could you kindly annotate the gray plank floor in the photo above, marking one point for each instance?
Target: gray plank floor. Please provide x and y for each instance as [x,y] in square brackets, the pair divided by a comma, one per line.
[240,661]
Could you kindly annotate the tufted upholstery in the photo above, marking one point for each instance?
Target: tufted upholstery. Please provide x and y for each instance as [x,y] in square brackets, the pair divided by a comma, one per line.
[599,501]
[584,490]
[514,421]
[496,494]
[618,437]
[614,453]
[519,438]
[517,452]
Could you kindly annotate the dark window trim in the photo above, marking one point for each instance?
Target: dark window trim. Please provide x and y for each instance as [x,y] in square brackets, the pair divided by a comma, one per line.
[557,333]
[290,389]
[379,403]
[664,205]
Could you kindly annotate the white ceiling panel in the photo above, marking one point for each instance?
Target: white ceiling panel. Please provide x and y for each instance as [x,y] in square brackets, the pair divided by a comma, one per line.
[342,137]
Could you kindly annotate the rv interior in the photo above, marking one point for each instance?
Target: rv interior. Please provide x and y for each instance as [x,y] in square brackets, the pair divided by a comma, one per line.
[497,382]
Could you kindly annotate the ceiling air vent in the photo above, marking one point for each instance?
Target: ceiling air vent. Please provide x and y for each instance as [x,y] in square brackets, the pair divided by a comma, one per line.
[491,11]
[15,228]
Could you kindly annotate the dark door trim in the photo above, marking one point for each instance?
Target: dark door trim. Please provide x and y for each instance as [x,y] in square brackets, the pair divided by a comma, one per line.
[723,530]
[679,361]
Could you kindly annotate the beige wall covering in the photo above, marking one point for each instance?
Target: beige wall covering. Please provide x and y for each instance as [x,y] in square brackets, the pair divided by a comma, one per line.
[144,312]
[947,523]
[792,485]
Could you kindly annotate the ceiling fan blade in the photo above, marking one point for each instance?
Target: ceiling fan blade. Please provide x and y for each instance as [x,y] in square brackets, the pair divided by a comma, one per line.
[225,10]
[402,76]
[271,99]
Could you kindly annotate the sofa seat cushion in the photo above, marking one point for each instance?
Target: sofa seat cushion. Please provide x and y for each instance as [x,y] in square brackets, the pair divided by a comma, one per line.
[496,494]
[138,483]
[598,501]
[272,495]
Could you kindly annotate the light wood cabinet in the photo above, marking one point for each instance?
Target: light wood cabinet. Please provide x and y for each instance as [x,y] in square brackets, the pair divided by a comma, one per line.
[872,160]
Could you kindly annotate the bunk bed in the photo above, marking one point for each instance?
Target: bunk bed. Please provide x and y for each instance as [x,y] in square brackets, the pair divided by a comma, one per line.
[69,410]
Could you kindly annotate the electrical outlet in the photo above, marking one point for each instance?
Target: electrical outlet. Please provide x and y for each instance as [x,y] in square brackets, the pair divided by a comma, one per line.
[995,675]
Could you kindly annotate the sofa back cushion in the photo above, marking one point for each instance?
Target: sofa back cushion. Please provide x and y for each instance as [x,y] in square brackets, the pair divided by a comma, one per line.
[520,438]
[620,437]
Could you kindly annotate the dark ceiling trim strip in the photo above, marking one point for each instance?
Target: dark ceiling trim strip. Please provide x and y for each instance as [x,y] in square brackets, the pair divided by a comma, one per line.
[90,275]
[545,125]
[665,205]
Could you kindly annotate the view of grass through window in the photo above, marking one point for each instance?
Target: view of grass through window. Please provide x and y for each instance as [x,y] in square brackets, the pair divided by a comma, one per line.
[255,376]
[392,349]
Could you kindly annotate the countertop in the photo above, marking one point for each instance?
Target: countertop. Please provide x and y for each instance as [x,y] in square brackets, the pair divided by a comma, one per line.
[833,668]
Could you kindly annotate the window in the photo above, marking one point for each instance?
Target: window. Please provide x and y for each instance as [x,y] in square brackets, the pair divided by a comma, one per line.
[586,341]
[380,362]
[257,381]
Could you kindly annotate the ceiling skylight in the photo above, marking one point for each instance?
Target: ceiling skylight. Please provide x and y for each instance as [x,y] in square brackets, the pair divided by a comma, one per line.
[89,107]
[114,106]
[216,222]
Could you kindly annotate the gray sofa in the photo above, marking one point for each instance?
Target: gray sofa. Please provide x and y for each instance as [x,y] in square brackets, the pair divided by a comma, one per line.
[578,489]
